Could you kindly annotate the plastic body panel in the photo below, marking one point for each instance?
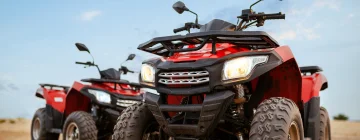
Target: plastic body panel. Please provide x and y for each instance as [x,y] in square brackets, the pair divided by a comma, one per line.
[312,85]
[55,98]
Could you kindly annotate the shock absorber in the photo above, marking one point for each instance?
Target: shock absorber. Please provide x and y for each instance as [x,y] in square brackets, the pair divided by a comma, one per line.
[239,100]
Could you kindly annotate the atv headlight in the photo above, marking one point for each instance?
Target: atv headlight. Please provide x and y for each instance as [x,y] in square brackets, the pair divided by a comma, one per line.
[101,96]
[241,67]
[147,73]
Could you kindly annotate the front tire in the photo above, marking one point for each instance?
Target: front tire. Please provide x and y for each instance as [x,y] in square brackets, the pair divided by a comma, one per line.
[80,125]
[38,130]
[277,118]
[325,132]
[136,123]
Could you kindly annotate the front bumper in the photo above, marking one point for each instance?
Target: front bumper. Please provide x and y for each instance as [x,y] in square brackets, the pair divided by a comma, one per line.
[214,67]
[211,110]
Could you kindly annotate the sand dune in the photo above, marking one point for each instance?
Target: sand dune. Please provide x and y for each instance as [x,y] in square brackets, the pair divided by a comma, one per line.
[20,130]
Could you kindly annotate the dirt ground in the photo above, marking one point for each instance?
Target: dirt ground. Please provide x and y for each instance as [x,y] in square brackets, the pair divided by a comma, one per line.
[20,130]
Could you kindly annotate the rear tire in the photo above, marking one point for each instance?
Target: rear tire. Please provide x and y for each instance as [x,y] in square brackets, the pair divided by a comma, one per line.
[80,125]
[277,118]
[325,129]
[134,123]
[38,130]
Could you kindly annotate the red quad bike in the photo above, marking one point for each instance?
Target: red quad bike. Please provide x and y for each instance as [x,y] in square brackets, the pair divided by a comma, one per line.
[225,83]
[84,111]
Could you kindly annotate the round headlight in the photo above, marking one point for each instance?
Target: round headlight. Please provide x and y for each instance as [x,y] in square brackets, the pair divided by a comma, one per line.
[147,73]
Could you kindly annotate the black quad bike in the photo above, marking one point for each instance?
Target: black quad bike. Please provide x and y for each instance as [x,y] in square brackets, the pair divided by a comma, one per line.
[84,111]
[224,83]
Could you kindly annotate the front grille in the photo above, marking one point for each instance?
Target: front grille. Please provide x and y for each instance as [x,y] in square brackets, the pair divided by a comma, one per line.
[184,78]
[125,103]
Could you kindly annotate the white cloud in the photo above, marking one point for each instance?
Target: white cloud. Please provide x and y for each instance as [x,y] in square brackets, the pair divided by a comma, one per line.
[332,4]
[287,35]
[90,15]
[351,15]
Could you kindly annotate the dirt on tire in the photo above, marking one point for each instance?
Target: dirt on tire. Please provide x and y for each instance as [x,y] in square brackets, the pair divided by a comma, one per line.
[273,119]
[85,124]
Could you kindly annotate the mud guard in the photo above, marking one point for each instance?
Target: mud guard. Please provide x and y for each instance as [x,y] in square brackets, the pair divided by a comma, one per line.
[311,118]
[52,115]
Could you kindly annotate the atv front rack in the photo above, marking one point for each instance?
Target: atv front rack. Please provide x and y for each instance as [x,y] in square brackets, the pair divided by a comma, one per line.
[171,44]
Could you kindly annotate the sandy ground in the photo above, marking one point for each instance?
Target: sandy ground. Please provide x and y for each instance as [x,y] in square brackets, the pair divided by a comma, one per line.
[20,130]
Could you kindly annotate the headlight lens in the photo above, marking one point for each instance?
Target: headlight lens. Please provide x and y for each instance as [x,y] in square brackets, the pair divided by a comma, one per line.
[147,73]
[241,67]
[101,96]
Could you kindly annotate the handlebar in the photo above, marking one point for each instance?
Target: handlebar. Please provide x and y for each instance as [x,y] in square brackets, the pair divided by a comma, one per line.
[180,29]
[254,16]
[187,26]
[82,63]
[258,18]
[282,16]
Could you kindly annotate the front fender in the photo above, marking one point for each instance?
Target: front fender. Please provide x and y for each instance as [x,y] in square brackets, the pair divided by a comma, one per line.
[75,100]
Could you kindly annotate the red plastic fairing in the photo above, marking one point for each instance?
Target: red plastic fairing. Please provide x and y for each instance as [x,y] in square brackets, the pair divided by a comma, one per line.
[55,98]
[311,86]
[285,80]
[285,53]
[75,101]
[120,89]
[223,49]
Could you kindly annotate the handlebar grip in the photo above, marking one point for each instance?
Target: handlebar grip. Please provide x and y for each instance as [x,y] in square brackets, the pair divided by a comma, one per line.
[131,71]
[80,63]
[180,29]
[276,16]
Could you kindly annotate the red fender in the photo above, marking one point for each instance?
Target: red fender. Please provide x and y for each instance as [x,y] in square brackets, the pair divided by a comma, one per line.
[75,101]
[311,86]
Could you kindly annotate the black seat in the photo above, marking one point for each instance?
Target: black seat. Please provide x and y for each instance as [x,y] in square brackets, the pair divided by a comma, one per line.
[310,69]
[217,25]
[93,80]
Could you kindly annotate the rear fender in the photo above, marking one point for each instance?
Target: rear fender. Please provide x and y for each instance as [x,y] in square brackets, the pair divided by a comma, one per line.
[312,85]
[76,101]
[40,93]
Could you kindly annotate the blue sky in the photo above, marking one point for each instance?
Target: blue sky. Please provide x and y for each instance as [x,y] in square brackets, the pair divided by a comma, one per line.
[37,41]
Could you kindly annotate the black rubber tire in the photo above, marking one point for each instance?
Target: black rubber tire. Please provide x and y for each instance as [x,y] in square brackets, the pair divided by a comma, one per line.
[132,123]
[85,123]
[273,119]
[41,114]
[324,122]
